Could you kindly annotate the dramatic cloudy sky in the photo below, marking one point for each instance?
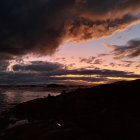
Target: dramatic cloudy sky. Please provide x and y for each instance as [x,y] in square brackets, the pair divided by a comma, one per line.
[69,41]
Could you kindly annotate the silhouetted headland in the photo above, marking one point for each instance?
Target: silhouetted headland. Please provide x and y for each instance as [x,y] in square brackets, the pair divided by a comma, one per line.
[104,112]
[41,87]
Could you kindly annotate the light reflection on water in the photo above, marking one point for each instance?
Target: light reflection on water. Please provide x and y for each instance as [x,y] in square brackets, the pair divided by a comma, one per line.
[10,98]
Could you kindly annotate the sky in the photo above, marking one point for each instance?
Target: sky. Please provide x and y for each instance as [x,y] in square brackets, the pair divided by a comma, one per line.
[69,41]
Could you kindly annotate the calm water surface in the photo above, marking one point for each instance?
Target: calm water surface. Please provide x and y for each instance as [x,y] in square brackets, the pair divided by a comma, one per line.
[10,98]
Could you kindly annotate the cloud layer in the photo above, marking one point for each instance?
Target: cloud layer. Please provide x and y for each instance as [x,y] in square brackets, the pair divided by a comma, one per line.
[38,72]
[40,26]
[130,50]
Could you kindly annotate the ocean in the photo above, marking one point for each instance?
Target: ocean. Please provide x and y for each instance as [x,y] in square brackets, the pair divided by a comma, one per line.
[10,98]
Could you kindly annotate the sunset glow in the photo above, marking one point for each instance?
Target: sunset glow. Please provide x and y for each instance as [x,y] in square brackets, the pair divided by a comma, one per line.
[76,40]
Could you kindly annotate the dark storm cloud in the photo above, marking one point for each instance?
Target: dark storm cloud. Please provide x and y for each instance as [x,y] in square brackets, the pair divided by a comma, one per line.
[57,69]
[40,26]
[38,72]
[32,25]
[38,66]
[7,78]
[97,72]
[130,50]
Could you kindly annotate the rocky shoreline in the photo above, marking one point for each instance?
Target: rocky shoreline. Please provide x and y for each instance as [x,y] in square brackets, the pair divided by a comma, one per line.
[105,112]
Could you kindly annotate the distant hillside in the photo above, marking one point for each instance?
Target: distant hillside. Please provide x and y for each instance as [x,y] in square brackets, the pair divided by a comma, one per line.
[41,87]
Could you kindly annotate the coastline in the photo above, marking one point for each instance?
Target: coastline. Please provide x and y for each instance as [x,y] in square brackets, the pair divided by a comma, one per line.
[108,111]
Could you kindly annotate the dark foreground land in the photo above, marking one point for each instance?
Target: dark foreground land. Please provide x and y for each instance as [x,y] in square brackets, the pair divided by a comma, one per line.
[105,112]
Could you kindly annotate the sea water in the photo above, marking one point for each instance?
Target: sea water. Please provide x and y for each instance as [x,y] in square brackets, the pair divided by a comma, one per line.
[10,98]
